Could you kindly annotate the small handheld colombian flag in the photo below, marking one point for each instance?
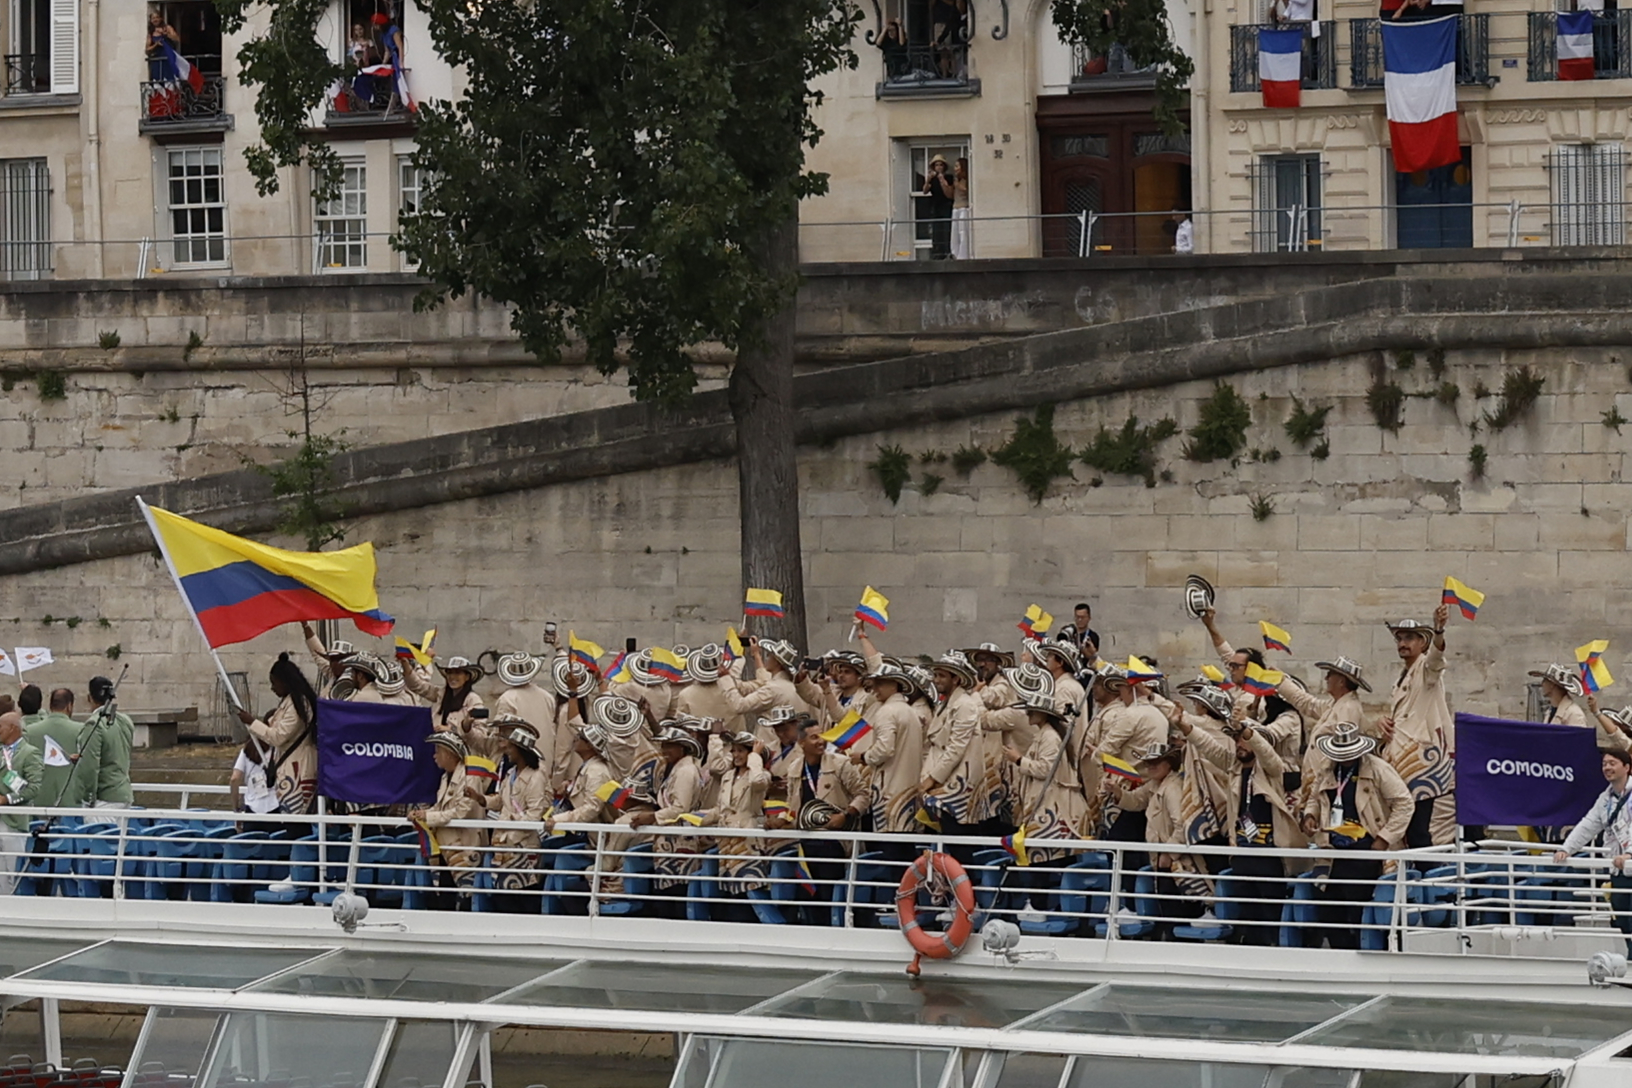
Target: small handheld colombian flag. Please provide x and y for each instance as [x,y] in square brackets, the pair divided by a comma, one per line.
[849,729]
[874,609]
[1121,768]
[733,645]
[1594,673]
[420,654]
[776,808]
[1463,597]
[585,652]
[1261,681]
[1217,676]
[762,602]
[695,819]
[618,671]
[1035,623]
[1141,673]
[1275,638]
[428,846]
[1015,844]
[667,664]
[613,793]
[481,767]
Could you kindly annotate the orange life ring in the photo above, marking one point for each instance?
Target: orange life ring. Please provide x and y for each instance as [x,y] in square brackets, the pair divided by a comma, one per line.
[941,946]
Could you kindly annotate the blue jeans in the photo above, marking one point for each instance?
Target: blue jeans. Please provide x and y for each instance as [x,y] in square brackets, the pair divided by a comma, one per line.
[1620,905]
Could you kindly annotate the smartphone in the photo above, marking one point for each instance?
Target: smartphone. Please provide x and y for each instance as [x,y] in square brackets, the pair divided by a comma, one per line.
[629,645]
[479,712]
[813,664]
[549,633]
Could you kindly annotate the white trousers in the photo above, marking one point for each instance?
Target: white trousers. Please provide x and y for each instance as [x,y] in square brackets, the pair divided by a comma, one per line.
[12,845]
[963,234]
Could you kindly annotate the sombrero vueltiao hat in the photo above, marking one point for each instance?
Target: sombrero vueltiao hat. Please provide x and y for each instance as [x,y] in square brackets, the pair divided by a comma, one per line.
[1005,659]
[1348,667]
[519,669]
[703,664]
[1415,627]
[1064,651]
[1212,700]
[895,674]
[1040,703]
[570,677]
[676,735]
[465,665]
[1027,680]
[1198,595]
[639,665]
[451,741]
[777,715]
[617,715]
[1345,743]
[366,663]
[783,650]
[1154,752]
[1563,677]
[955,663]
[814,815]
[340,648]
[391,680]
[596,737]
[741,739]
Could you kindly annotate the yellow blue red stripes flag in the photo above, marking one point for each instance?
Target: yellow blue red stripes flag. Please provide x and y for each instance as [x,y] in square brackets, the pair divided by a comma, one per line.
[762,602]
[614,793]
[421,654]
[1261,681]
[874,609]
[667,664]
[1121,768]
[847,730]
[1594,673]
[1035,623]
[586,653]
[238,588]
[1464,597]
[1275,638]
[733,645]
[481,767]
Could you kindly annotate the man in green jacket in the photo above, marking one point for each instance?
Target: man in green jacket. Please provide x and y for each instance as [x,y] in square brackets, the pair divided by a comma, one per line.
[21,771]
[72,755]
[118,734]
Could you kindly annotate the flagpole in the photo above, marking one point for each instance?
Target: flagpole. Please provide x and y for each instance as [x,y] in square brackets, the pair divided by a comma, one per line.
[164,552]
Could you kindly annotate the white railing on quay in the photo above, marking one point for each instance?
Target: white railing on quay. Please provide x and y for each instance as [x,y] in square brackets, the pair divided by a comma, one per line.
[1097,888]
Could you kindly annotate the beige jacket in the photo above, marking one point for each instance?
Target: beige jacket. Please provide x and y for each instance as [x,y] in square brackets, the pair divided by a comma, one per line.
[1266,782]
[1050,798]
[896,761]
[524,794]
[1321,715]
[955,757]
[708,701]
[760,696]
[839,782]
[1126,731]
[1380,794]
[660,696]
[1424,731]
[742,798]
[679,790]
[452,804]
[297,771]
[584,807]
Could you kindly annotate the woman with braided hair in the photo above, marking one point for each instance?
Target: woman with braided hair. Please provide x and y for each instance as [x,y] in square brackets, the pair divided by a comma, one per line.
[291,729]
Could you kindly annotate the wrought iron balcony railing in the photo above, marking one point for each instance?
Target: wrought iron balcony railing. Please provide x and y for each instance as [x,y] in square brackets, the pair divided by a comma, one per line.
[1319,57]
[1472,52]
[28,73]
[169,103]
[1611,37]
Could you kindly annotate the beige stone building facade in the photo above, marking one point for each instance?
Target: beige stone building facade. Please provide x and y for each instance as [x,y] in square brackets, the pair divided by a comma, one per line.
[112,167]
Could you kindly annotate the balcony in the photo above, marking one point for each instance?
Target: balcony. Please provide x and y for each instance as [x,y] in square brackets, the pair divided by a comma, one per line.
[1610,56]
[1472,52]
[1319,57]
[28,73]
[171,106]
[928,71]
[1114,71]
[368,100]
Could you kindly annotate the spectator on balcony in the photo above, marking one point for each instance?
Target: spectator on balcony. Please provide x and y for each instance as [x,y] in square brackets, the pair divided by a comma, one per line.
[363,49]
[949,20]
[963,227]
[938,192]
[159,66]
[897,56]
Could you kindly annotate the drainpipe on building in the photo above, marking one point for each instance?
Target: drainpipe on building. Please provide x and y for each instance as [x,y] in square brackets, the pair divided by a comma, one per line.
[91,84]
[1201,128]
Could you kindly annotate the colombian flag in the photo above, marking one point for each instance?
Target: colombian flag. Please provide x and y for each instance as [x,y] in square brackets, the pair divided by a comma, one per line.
[1594,673]
[421,654]
[776,808]
[1036,622]
[667,664]
[1139,672]
[695,819]
[763,602]
[586,653]
[807,879]
[1121,768]
[1468,600]
[238,589]
[1015,844]
[481,767]
[613,793]
[1262,681]
[874,609]
[618,673]
[1217,676]
[1275,638]
[849,729]
[428,846]
[733,645]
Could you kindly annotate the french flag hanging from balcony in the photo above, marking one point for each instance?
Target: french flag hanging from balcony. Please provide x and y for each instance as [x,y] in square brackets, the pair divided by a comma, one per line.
[1575,60]
[1419,91]
[185,70]
[1280,67]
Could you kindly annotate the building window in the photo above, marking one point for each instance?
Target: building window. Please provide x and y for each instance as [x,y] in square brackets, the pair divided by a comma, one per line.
[25,219]
[1286,211]
[925,212]
[1589,194]
[198,206]
[408,186]
[925,47]
[28,52]
[342,223]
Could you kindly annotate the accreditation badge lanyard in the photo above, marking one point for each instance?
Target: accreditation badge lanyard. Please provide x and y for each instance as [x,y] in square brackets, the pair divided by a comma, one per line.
[1246,829]
[811,781]
[1336,819]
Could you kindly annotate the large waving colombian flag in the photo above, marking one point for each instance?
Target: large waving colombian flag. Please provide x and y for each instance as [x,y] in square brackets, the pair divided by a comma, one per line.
[239,589]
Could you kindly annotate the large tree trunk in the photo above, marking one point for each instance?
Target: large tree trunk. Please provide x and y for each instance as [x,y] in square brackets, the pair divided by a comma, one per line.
[761,395]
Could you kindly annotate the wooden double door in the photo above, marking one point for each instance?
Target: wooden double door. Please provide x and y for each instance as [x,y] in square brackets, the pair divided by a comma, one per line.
[1116,165]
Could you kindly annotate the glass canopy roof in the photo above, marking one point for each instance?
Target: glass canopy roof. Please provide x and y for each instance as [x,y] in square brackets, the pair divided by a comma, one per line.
[1092,1005]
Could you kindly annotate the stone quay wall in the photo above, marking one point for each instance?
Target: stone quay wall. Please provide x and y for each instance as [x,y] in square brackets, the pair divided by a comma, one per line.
[1363,535]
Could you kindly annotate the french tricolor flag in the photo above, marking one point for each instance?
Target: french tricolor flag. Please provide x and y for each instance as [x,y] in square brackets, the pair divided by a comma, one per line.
[1419,91]
[186,71]
[1280,67]
[1575,59]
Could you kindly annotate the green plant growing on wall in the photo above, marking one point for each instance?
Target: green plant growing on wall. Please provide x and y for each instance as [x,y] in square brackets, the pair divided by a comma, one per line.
[112,652]
[1613,418]
[1521,389]
[73,622]
[1035,454]
[1436,363]
[932,457]
[965,459]
[1130,451]
[305,479]
[1477,458]
[194,342]
[103,622]
[1306,424]
[1386,400]
[1322,451]
[172,414]
[1262,507]
[1405,359]
[1221,433]
[52,385]
[1480,390]
[893,469]
[930,483]
[1447,394]
[107,340]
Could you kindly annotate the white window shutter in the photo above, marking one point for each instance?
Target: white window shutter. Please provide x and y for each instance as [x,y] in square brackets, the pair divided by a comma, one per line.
[64,46]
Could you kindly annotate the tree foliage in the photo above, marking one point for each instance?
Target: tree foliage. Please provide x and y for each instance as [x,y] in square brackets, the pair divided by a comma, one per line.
[1141,27]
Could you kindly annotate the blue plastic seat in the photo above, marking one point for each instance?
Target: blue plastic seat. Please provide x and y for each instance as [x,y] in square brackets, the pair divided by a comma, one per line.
[1144,904]
[637,866]
[572,860]
[1224,909]
[416,880]
[302,875]
[703,885]
[171,854]
[1072,905]
[1378,915]
[1298,916]
[234,874]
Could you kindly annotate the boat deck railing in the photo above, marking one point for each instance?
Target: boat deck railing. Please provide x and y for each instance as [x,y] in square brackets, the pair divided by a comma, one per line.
[1070,888]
